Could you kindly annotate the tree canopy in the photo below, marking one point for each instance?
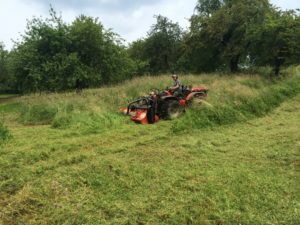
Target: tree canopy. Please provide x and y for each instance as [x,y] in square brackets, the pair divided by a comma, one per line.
[276,42]
[54,56]
[161,49]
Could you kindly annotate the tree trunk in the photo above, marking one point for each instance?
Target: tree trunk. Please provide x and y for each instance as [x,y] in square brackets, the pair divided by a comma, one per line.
[278,62]
[276,70]
[234,61]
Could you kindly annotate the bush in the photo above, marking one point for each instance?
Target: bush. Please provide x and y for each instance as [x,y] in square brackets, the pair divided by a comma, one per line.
[38,114]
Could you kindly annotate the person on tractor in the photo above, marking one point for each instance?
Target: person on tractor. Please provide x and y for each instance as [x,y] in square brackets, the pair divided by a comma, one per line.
[176,88]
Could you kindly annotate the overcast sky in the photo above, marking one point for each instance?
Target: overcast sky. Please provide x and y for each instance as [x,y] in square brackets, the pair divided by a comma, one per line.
[129,18]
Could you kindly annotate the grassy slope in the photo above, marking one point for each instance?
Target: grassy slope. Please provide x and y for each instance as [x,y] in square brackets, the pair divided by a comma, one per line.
[235,174]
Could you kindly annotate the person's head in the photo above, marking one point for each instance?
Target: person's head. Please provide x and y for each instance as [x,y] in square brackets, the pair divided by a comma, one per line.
[174,76]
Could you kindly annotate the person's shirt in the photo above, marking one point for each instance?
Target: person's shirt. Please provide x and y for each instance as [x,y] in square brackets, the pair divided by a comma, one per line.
[177,83]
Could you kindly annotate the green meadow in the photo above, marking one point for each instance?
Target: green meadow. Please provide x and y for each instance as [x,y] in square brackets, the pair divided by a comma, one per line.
[72,158]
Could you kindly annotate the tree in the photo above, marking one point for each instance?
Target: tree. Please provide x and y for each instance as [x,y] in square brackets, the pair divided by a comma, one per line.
[100,51]
[206,8]
[162,45]
[41,61]
[3,67]
[221,28]
[201,52]
[136,51]
[277,41]
[55,56]
[87,42]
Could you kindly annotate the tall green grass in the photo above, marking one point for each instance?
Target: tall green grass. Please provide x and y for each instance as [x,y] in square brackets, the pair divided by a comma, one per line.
[37,114]
[88,122]
[233,99]
[4,133]
[239,108]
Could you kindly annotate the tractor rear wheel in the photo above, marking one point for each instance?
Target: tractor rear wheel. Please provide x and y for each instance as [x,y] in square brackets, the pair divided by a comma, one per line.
[174,109]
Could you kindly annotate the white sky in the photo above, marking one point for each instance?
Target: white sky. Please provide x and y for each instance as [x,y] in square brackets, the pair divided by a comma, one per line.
[129,18]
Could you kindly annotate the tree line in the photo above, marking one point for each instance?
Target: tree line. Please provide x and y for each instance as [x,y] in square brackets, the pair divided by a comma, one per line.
[224,35]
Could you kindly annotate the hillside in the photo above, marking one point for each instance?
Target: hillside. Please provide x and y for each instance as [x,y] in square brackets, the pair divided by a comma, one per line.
[73,159]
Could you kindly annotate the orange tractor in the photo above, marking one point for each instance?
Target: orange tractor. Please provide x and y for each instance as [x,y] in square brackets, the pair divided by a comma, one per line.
[163,104]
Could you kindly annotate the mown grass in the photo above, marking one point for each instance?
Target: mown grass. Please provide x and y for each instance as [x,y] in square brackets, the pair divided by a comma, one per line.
[88,165]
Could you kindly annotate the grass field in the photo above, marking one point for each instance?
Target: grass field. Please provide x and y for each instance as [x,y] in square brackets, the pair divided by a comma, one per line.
[72,159]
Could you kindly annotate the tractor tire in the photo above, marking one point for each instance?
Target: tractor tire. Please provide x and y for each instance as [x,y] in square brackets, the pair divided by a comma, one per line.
[174,109]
